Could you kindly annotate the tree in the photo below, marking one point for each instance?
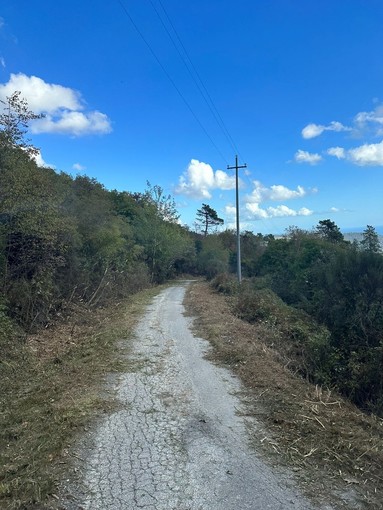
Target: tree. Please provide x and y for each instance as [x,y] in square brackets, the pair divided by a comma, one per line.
[14,120]
[328,230]
[207,218]
[213,258]
[370,241]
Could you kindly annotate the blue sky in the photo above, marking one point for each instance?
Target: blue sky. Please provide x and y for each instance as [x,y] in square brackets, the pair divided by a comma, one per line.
[297,83]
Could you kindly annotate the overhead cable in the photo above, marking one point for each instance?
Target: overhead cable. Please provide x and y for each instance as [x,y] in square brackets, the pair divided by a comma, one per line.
[194,73]
[170,78]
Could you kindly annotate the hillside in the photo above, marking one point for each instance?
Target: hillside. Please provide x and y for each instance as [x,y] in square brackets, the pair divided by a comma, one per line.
[336,451]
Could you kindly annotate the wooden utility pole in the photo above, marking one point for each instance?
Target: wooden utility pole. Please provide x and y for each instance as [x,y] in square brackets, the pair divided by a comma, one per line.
[239,273]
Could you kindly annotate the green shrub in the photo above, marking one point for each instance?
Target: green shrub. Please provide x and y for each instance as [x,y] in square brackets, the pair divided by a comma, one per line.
[7,333]
[225,284]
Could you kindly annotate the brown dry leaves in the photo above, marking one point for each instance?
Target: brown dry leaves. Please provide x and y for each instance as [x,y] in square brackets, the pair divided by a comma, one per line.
[333,447]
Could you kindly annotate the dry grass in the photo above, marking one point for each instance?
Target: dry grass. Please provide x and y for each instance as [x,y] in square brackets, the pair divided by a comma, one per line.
[51,388]
[335,450]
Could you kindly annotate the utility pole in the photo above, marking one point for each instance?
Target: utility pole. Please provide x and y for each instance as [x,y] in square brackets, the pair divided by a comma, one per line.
[239,273]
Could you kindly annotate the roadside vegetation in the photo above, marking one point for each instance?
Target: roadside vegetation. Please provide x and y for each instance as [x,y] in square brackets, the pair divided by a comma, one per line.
[334,450]
[53,384]
[71,250]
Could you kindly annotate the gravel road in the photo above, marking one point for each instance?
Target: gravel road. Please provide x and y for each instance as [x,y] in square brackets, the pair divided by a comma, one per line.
[178,441]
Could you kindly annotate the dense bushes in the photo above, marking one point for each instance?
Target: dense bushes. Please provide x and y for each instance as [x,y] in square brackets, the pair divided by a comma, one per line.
[65,239]
[303,343]
[330,304]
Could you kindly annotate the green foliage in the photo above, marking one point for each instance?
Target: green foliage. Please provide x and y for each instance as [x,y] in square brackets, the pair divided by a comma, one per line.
[8,336]
[65,239]
[329,304]
[167,248]
[329,231]
[342,288]
[14,120]
[304,342]
[225,283]
[212,256]
[207,218]
[370,241]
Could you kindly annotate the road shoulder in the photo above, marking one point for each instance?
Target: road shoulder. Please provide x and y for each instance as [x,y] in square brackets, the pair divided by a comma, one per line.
[332,447]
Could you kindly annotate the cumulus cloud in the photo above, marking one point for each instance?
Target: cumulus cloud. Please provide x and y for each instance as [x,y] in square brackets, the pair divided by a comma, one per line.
[63,107]
[255,212]
[42,97]
[307,157]
[314,130]
[367,124]
[78,167]
[364,155]
[199,179]
[374,117]
[73,123]
[276,192]
[367,154]
[337,152]
[283,210]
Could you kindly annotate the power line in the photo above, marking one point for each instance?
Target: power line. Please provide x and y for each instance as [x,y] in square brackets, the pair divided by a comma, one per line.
[200,84]
[170,78]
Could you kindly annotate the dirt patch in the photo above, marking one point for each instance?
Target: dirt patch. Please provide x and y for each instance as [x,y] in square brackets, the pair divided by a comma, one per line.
[334,449]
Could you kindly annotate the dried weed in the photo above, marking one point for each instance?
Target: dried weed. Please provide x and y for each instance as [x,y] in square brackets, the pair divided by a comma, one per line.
[332,446]
[51,387]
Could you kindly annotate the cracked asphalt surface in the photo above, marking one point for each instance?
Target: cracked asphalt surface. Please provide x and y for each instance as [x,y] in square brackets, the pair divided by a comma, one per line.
[178,442]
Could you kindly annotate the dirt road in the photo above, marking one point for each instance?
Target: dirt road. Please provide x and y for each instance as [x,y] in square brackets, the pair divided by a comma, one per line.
[179,441]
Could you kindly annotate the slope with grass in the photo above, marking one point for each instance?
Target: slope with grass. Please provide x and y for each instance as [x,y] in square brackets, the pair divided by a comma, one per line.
[335,449]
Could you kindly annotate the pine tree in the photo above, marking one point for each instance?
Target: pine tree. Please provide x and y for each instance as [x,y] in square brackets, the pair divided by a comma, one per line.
[370,241]
[207,218]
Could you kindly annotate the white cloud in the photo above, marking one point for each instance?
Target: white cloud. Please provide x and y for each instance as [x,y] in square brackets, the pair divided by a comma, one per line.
[230,210]
[374,117]
[283,210]
[304,211]
[40,161]
[63,107]
[2,62]
[199,179]
[314,130]
[368,124]
[78,167]
[364,155]
[276,192]
[338,152]
[255,212]
[42,97]
[279,192]
[367,154]
[252,209]
[307,157]
[73,123]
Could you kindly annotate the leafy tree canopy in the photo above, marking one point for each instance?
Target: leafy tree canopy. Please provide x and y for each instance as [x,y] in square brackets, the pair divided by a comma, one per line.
[14,120]
[207,218]
[329,231]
